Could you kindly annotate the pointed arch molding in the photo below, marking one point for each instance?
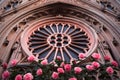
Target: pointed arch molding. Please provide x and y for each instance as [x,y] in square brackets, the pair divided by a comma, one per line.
[93,18]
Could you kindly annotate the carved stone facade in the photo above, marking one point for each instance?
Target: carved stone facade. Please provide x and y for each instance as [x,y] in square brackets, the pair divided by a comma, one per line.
[18,16]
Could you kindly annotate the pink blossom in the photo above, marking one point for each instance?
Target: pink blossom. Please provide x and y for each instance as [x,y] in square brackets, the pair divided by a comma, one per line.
[109,70]
[82,56]
[59,58]
[28,76]
[60,70]
[31,58]
[96,56]
[107,58]
[39,72]
[44,62]
[18,77]
[62,64]
[5,74]
[67,67]
[114,63]
[73,78]
[77,70]
[55,75]
[14,62]
[90,67]
[95,64]
[4,65]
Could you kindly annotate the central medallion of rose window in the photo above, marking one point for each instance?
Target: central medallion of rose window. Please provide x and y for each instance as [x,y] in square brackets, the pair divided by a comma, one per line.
[47,41]
[59,40]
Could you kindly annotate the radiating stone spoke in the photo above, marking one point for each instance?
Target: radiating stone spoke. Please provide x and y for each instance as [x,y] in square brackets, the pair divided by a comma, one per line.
[68,53]
[49,53]
[37,47]
[66,30]
[76,33]
[58,39]
[81,39]
[71,32]
[40,35]
[43,50]
[48,27]
[57,29]
[36,43]
[79,36]
[33,43]
[62,30]
[73,49]
[47,30]
[77,46]
[55,53]
[62,54]
[37,38]
[81,43]
[52,30]
[43,32]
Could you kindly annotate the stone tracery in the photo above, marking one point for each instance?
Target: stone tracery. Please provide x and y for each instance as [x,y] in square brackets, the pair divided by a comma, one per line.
[95,21]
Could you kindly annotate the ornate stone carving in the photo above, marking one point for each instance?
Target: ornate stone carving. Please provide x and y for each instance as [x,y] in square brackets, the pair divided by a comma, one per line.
[12,4]
[58,37]
[115,42]
[6,42]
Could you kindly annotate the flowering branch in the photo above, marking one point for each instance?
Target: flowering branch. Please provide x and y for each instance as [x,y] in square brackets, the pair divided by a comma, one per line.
[60,70]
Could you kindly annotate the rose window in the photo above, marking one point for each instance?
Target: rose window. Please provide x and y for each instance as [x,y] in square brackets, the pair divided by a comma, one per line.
[58,38]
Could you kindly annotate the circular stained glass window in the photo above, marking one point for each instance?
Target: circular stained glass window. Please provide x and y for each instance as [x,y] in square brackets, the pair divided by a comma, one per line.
[58,37]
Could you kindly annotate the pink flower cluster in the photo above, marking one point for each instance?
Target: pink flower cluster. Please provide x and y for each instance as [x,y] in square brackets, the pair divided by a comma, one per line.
[82,56]
[55,75]
[73,78]
[107,58]
[31,58]
[44,62]
[67,67]
[93,66]
[14,62]
[63,68]
[109,70]
[89,67]
[77,70]
[96,56]
[60,70]
[4,65]
[18,77]
[28,76]
[5,75]
[58,58]
[114,63]
[39,72]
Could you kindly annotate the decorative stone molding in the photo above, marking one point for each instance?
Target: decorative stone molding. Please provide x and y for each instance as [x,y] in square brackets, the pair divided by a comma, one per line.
[58,9]
[6,42]
[38,39]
